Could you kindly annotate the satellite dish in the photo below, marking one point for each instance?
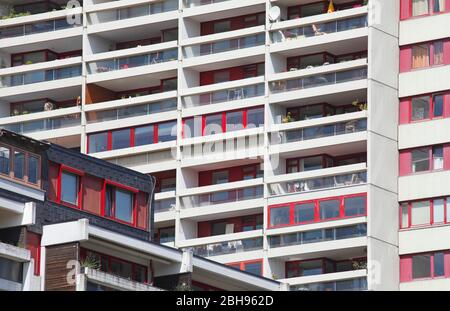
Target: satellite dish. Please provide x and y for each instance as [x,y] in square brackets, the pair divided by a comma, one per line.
[274,14]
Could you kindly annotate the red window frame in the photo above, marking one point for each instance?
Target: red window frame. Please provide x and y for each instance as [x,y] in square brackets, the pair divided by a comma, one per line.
[406,163]
[116,186]
[431,206]
[242,264]
[406,55]
[110,258]
[406,9]
[406,267]
[295,265]
[132,135]
[79,174]
[317,218]
[223,121]
[163,228]
[406,107]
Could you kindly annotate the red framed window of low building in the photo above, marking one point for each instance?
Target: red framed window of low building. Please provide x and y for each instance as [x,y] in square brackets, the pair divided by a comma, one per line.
[119,203]
[122,268]
[70,185]
[326,209]
[223,122]
[252,266]
[425,266]
[424,213]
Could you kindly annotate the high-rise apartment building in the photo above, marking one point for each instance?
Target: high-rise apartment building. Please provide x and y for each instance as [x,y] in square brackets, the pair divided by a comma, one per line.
[286,137]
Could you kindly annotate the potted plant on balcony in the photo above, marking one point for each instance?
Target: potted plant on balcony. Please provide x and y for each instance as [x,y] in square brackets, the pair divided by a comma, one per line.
[90,263]
[361,106]
[288,118]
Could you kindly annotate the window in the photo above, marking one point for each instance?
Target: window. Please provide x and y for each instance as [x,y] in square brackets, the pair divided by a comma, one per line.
[423,55]
[255,117]
[421,266]
[420,56]
[218,228]
[438,106]
[70,187]
[167,235]
[33,169]
[253,267]
[329,209]
[144,135]
[19,164]
[425,7]
[420,7]
[420,108]
[420,160]
[235,121]
[119,204]
[121,139]
[420,213]
[222,26]
[4,160]
[98,142]
[280,216]
[318,210]
[438,157]
[220,177]
[425,266]
[438,264]
[424,159]
[213,124]
[167,131]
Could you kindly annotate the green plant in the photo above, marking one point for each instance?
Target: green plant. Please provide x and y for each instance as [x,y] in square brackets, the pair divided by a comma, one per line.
[184,287]
[360,106]
[288,118]
[91,263]
[358,265]
[13,14]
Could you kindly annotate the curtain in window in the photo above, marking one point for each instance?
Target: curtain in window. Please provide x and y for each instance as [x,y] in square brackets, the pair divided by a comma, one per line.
[92,191]
[439,6]
[421,56]
[420,213]
[420,7]
[438,55]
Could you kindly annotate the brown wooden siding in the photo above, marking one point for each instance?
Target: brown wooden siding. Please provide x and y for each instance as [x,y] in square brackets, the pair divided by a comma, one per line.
[56,270]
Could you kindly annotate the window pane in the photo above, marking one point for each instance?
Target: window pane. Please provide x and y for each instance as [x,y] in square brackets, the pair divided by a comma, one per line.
[4,160]
[33,169]
[329,209]
[421,265]
[355,206]
[312,163]
[420,7]
[122,269]
[253,268]
[255,117]
[235,121]
[420,56]
[193,127]
[220,177]
[124,205]
[121,139]
[438,264]
[69,188]
[438,102]
[304,212]
[167,131]
[109,198]
[218,228]
[448,209]
[420,160]
[420,108]
[143,135]
[438,56]
[280,216]
[98,142]
[420,214]
[405,215]
[140,274]
[222,26]
[438,157]
[313,267]
[19,164]
[438,211]
[213,124]
[167,235]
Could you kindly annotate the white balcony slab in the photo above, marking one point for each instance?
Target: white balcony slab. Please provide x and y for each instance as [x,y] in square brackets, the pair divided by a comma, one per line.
[424,133]
[40,115]
[139,50]
[228,35]
[423,185]
[328,277]
[421,240]
[424,81]
[134,150]
[220,238]
[424,29]
[426,285]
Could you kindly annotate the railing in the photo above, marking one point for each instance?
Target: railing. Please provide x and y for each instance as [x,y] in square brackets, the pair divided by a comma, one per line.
[143,159]
[319,183]
[164,205]
[222,96]
[133,11]
[194,3]
[131,111]
[320,235]
[133,61]
[231,247]
[317,80]
[40,76]
[45,124]
[358,284]
[224,45]
[38,27]
[220,197]
[319,29]
[315,132]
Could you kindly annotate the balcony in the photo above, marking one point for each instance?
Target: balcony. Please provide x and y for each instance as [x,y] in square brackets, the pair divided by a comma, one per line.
[356,284]
[195,3]
[146,162]
[207,10]
[230,247]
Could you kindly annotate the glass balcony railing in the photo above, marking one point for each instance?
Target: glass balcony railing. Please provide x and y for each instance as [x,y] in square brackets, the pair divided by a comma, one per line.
[224,46]
[133,11]
[38,27]
[220,197]
[358,284]
[318,183]
[315,132]
[194,3]
[133,61]
[40,76]
[317,80]
[144,158]
[320,235]
[223,96]
[131,111]
[45,124]
[231,247]
[164,205]
[314,30]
